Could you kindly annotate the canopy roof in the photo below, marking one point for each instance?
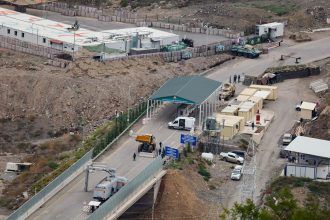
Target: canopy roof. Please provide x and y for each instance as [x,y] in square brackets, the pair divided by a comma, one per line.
[186,89]
[311,146]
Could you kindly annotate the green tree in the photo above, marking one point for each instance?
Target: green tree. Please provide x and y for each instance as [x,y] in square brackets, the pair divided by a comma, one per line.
[247,211]
[282,204]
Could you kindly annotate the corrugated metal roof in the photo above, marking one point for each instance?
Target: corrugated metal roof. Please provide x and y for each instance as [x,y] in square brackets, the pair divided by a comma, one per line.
[308,105]
[186,89]
[310,146]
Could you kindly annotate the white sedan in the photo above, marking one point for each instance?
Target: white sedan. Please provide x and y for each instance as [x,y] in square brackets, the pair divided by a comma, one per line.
[237,173]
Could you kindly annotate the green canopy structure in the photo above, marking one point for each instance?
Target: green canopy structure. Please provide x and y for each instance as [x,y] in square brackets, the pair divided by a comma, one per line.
[197,91]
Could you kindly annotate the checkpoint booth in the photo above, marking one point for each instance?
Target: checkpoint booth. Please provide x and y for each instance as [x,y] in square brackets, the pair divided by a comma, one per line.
[307,110]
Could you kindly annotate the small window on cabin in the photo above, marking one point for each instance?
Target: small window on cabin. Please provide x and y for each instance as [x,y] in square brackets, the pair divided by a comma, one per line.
[8,31]
[44,40]
[22,35]
[15,33]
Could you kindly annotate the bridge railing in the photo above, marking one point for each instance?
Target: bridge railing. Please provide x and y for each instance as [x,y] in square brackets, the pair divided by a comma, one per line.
[51,189]
[116,201]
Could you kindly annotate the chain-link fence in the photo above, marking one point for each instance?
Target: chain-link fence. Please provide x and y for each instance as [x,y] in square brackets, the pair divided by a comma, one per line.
[122,122]
[116,201]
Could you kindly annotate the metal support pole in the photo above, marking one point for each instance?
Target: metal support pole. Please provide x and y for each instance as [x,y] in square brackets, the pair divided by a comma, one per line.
[86,179]
[200,115]
[148,108]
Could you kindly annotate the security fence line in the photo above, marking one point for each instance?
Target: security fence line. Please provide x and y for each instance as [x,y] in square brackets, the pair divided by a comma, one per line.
[26,47]
[104,143]
[133,18]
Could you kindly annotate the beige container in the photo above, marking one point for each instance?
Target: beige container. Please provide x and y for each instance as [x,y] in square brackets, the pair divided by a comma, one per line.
[245,113]
[242,98]
[230,110]
[248,91]
[273,90]
[233,124]
[307,109]
[258,101]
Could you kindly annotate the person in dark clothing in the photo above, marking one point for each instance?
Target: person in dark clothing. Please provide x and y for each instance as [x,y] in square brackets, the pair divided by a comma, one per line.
[160,145]
[238,78]
[235,78]
[252,125]
[134,156]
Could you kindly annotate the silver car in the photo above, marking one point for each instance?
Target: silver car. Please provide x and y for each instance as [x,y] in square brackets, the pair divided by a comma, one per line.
[236,173]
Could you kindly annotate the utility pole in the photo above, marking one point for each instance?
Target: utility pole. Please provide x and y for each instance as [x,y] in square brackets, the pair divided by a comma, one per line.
[128,103]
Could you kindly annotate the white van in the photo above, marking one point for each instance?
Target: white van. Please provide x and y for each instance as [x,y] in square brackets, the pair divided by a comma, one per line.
[185,123]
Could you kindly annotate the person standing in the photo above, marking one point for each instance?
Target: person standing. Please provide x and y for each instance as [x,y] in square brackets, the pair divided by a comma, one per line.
[235,78]
[134,156]
[238,78]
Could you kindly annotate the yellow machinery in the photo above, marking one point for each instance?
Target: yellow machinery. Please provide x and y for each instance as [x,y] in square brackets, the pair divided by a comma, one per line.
[148,143]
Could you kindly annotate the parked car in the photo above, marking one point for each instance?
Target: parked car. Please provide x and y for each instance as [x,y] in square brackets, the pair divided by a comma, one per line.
[283,153]
[231,157]
[287,138]
[239,153]
[236,174]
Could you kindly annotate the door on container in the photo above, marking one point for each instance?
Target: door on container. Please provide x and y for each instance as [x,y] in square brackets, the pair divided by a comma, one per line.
[182,123]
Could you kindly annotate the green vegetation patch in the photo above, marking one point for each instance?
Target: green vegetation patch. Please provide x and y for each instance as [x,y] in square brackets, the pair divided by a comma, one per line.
[278,9]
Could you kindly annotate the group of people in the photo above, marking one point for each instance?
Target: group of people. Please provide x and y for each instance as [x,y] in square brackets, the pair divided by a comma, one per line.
[161,151]
[236,78]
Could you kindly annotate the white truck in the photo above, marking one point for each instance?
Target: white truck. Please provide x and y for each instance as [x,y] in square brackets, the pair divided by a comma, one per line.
[184,123]
[231,157]
[108,187]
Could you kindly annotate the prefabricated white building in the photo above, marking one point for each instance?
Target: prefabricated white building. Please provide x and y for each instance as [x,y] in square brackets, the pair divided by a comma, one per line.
[61,36]
[274,29]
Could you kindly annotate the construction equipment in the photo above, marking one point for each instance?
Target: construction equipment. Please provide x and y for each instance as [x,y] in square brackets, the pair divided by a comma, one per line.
[148,145]
[106,188]
[227,91]
[246,51]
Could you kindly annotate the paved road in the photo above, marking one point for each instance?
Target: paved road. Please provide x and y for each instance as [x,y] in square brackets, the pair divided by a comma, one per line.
[310,51]
[69,202]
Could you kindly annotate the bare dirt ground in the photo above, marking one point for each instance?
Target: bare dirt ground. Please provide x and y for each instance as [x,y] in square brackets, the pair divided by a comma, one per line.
[237,15]
[40,101]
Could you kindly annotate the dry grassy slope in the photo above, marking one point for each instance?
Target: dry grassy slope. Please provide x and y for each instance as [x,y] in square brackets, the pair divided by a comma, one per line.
[178,198]
[238,14]
[43,99]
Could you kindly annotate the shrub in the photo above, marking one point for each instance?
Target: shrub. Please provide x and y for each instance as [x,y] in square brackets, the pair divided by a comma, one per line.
[53,165]
[204,172]
[124,3]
